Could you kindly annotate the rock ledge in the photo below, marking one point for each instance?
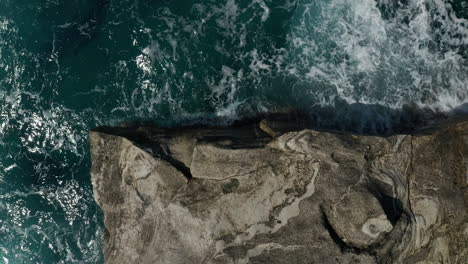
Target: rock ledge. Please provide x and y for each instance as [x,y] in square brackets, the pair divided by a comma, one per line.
[237,195]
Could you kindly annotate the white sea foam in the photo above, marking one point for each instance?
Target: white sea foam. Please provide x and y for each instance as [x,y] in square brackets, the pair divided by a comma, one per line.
[337,50]
[384,61]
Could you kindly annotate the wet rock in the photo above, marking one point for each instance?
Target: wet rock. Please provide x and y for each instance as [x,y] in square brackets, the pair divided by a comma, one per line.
[243,195]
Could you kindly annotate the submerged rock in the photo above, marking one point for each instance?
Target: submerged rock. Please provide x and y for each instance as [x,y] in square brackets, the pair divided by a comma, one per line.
[236,195]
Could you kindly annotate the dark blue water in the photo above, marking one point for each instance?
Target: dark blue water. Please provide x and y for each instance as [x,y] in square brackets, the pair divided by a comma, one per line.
[70,65]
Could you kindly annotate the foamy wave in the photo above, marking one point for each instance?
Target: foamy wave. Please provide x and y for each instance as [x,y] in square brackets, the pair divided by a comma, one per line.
[368,57]
[364,51]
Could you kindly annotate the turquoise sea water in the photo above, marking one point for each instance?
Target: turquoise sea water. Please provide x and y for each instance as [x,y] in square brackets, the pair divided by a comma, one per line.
[70,65]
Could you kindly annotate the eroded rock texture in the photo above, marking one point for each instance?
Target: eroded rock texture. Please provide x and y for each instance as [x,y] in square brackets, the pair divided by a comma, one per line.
[234,195]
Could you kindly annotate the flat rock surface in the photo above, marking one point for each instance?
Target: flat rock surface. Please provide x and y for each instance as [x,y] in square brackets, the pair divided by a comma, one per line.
[237,195]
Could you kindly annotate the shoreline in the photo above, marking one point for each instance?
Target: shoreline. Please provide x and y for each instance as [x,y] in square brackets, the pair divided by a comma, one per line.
[409,120]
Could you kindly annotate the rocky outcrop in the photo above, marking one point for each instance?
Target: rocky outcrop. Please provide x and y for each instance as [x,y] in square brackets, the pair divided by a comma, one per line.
[237,195]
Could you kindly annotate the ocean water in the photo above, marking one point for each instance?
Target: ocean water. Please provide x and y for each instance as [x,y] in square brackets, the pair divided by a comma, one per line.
[67,66]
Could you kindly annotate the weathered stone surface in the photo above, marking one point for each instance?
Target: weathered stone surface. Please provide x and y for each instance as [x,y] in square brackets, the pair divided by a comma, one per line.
[234,195]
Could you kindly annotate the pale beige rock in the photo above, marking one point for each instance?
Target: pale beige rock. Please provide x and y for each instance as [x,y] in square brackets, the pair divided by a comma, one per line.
[235,195]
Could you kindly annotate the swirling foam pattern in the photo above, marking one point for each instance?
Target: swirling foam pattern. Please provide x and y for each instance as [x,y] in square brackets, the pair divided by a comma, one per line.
[68,66]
